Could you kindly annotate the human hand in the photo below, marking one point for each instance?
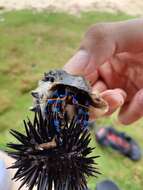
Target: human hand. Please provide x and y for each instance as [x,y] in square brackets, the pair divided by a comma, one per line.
[111,58]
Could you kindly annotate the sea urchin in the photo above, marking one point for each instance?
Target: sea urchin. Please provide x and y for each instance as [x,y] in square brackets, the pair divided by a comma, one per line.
[49,160]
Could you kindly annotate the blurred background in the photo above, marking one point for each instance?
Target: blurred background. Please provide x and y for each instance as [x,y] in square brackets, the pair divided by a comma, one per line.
[39,35]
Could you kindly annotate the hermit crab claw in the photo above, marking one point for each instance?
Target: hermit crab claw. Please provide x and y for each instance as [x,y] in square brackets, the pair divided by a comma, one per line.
[98,107]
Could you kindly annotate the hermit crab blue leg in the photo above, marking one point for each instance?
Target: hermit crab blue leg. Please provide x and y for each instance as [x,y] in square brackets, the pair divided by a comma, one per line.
[82,112]
[58,104]
[57,108]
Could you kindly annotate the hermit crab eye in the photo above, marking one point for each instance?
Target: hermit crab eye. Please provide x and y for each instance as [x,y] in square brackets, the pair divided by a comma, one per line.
[35,94]
[49,78]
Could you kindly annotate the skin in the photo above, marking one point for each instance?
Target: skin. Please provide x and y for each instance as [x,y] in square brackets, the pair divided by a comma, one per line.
[111,58]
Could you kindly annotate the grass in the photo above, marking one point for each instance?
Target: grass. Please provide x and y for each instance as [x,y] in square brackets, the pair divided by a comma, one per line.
[32,43]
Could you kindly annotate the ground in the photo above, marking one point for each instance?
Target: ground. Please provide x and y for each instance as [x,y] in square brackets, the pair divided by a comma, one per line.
[76,6]
[32,43]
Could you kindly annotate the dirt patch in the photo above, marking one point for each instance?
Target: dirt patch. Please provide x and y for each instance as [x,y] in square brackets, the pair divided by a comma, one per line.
[131,7]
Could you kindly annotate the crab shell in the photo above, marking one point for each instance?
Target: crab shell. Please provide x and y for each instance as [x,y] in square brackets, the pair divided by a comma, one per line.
[61,78]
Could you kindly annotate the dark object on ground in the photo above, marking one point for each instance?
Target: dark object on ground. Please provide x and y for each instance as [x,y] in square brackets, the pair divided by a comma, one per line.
[45,159]
[106,185]
[110,137]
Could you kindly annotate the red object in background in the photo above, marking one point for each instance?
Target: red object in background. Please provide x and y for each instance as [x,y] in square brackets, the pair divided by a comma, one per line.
[110,137]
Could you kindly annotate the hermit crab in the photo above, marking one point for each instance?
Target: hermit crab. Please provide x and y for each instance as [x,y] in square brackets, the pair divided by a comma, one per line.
[64,94]
[54,151]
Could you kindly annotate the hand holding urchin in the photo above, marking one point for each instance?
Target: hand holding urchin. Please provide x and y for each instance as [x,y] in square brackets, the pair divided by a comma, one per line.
[47,160]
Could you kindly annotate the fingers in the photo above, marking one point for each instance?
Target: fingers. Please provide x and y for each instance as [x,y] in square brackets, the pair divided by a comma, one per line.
[129,35]
[100,42]
[78,63]
[133,111]
[99,86]
[97,46]
[115,99]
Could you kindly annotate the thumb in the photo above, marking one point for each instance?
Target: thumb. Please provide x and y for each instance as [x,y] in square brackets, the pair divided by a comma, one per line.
[97,47]
[100,43]
[78,63]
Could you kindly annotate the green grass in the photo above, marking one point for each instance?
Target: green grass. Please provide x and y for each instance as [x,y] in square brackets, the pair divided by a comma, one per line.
[32,43]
